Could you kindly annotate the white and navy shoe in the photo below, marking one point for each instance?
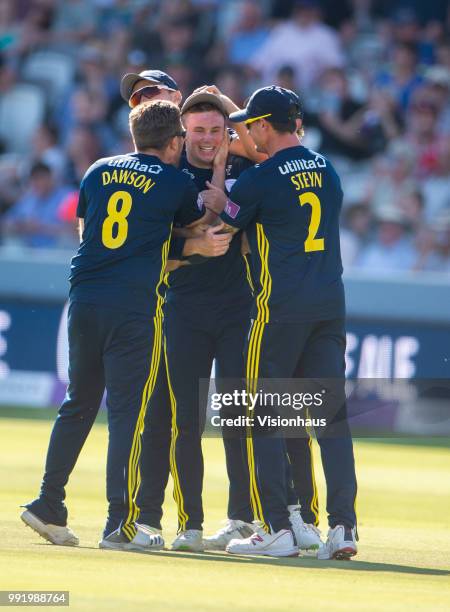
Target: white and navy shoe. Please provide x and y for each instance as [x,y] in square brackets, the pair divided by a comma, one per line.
[340,544]
[149,529]
[190,540]
[232,530]
[56,534]
[142,541]
[307,536]
[279,544]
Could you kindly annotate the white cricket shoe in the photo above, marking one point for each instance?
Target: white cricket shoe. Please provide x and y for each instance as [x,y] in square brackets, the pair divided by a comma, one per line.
[232,530]
[279,544]
[190,540]
[142,541]
[62,536]
[307,536]
[149,529]
[340,544]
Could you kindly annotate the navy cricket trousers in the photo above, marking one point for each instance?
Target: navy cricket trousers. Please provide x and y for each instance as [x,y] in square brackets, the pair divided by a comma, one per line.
[192,342]
[119,351]
[314,351]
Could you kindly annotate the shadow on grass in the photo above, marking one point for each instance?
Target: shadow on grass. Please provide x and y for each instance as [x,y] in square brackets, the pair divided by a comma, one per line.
[297,562]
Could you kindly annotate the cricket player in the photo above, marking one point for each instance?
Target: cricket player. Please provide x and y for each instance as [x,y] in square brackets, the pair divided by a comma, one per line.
[206,311]
[127,206]
[289,206]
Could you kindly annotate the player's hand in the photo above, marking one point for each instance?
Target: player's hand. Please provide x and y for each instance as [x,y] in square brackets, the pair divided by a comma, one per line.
[228,103]
[221,156]
[213,243]
[214,198]
[209,89]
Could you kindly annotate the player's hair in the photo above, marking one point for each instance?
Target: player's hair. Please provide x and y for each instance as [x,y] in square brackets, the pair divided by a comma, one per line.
[153,124]
[204,107]
[285,127]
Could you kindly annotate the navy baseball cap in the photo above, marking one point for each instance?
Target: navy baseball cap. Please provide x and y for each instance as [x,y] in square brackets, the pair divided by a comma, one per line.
[156,77]
[273,103]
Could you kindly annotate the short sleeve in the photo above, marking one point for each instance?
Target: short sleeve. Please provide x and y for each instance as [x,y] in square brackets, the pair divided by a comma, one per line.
[242,205]
[191,208]
[82,202]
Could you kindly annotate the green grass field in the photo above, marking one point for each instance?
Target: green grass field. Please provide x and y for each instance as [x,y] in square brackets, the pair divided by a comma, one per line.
[403,563]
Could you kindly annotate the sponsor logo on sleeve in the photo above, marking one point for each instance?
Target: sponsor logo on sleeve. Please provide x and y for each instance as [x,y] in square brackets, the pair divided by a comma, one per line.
[232,209]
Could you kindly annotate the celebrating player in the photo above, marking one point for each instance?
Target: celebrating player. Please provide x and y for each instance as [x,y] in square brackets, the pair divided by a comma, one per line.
[290,206]
[126,207]
[205,319]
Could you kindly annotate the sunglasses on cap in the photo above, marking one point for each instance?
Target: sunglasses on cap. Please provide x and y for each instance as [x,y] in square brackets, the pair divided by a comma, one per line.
[149,91]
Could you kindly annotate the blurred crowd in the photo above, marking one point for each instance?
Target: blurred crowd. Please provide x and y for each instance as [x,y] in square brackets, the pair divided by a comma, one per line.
[374,77]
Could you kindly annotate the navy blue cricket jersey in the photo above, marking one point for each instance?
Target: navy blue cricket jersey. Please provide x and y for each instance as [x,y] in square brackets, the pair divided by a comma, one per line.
[128,203]
[218,276]
[290,207]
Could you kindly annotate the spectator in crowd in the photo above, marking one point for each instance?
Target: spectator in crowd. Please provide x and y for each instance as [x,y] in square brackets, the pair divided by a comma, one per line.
[348,127]
[304,42]
[422,134]
[45,147]
[391,250]
[436,188]
[401,79]
[433,246]
[33,220]
[74,22]
[88,109]
[249,34]
[437,80]
[392,176]
[355,232]
[83,148]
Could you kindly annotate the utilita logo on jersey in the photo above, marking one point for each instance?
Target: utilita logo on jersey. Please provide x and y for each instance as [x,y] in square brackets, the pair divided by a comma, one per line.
[297,165]
[134,164]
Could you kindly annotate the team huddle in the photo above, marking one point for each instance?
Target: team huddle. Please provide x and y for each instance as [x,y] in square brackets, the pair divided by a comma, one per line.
[206,246]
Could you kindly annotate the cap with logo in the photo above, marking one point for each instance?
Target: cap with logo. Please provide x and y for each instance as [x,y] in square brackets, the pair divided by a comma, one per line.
[154,77]
[204,97]
[273,103]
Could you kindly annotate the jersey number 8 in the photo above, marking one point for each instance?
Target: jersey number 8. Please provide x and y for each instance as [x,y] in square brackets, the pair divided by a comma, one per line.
[312,243]
[115,226]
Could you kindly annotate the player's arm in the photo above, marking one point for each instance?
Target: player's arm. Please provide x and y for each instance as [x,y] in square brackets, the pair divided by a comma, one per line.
[204,241]
[242,204]
[213,243]
[80,228]
[81,210]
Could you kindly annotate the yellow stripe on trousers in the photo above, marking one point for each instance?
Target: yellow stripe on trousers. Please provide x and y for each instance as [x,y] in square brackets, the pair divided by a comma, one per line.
[254,342]
[315,498]
[249,274]
[134,475]
[177,493]
[253,359]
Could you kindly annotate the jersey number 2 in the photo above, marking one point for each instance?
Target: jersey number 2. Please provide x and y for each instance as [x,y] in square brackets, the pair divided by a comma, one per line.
[312,243]
[115,226]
